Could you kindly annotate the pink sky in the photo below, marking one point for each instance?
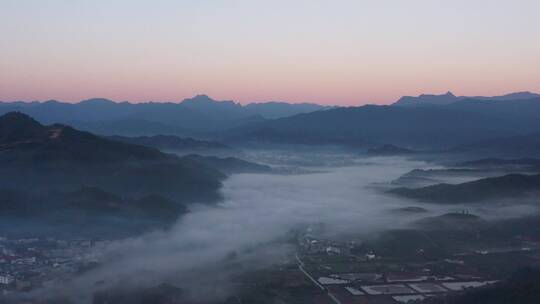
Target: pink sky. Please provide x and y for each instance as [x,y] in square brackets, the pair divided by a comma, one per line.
[332,52]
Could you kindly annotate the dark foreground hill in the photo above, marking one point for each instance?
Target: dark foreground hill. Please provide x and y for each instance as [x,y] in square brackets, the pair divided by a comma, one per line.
[37,156]
[507,186]
[84,212]
[44,168]
[450,221]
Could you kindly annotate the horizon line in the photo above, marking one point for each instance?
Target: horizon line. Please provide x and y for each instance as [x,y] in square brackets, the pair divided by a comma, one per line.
[257,101]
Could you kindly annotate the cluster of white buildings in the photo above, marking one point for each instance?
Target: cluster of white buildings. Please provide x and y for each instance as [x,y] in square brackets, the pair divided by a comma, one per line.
[6,279]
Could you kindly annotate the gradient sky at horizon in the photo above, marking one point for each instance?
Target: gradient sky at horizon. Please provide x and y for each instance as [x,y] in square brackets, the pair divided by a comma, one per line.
[332,52]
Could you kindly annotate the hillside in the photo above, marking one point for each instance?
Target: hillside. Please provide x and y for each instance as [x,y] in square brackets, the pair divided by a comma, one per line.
[520,164]
[527,145]
[425,177]
[389,150]
[426,128]
[450,221]
[40,165]
[416,127]
[61,156]
[507,186]
[86,211]
[179,145]
[229,164]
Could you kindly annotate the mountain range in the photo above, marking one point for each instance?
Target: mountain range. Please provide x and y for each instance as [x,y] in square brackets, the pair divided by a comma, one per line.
[448,122]
[449,98]
[464,122]
[197,115]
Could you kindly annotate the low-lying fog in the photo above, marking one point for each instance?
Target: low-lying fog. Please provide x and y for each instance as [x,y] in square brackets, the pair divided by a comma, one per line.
[250,228]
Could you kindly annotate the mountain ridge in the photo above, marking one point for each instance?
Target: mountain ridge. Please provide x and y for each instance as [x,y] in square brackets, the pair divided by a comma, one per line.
[192,116]
[55,173]
[61,156]
[449,98]
[506,186]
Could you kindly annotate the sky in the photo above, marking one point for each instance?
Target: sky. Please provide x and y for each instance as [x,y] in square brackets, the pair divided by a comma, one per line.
[330,52]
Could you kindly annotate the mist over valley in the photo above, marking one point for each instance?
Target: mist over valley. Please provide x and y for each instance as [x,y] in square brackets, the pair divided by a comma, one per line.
[145,233]
[269,152]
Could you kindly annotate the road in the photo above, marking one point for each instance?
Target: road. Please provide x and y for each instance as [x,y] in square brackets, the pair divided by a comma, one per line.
[301,267]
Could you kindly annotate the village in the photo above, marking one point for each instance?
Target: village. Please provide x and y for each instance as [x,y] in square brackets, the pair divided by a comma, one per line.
[30,263]
[351,272]
[322,269]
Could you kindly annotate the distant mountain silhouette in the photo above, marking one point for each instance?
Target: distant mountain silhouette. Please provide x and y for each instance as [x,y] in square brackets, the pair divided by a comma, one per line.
[415,127]
[462,122]
[449,98]
[510,96]
[427,99]
[192,116]
[274,109]
[205,104]
[434,127]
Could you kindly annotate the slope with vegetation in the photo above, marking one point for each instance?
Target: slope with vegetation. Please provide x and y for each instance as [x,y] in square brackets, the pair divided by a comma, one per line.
[178,145]
[68,175]
[507,186]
